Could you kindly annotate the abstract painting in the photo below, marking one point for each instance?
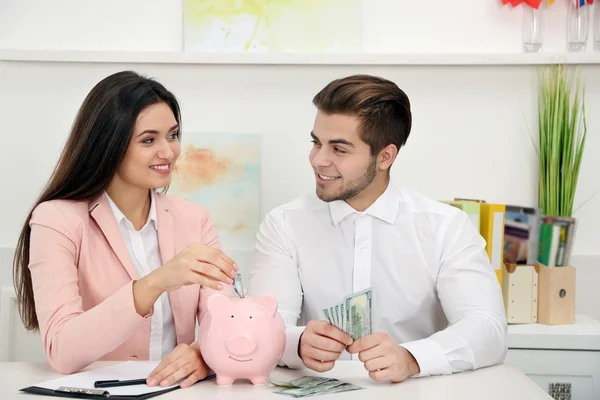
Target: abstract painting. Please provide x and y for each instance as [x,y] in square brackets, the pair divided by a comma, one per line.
[273,26]
[222,172]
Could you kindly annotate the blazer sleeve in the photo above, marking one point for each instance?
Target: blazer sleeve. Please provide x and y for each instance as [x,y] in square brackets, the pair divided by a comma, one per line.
[72,338]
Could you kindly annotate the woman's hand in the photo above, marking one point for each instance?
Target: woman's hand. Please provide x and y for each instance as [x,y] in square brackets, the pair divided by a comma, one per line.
[184,362]
[196,264]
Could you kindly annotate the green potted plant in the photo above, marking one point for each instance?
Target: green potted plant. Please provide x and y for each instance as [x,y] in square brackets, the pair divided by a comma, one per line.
[562,134]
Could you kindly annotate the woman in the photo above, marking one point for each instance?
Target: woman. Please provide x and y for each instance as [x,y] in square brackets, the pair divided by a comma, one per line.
[106,267]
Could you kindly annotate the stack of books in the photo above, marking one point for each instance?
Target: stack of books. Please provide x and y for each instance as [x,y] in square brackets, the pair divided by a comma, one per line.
[518,234]
[524,246]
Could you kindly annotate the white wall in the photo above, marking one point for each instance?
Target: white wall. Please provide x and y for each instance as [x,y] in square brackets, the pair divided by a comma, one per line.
[470,134]
[390,26]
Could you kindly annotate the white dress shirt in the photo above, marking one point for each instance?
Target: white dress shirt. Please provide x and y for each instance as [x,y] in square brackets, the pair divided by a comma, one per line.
[434,289]
[145,255]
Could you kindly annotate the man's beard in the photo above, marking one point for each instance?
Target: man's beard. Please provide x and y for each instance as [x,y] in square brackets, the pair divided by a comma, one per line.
[354,187]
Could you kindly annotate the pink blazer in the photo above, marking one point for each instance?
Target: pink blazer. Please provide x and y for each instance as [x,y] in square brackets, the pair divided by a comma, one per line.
[82,280]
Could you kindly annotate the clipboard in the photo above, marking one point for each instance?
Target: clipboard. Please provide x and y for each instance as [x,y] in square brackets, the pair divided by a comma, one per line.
[81,385]
[77,395]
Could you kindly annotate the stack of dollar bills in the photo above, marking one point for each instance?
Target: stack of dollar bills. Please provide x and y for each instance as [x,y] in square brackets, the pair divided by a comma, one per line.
[313,386]
[353,315]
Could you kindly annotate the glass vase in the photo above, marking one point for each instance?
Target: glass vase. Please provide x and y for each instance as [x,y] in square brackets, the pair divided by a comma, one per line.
[596,24]
[532,28]
[578,25]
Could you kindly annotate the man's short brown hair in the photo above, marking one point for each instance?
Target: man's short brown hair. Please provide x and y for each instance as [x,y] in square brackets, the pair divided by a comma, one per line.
[381,106]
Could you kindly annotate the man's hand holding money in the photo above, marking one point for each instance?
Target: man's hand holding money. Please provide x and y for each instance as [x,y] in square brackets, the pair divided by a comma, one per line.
[321,345]
[384,359]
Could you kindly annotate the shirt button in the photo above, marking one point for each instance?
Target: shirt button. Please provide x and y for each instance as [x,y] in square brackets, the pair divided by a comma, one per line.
[362,247]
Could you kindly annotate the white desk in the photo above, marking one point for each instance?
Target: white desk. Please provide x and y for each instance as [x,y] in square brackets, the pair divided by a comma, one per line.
[500,382]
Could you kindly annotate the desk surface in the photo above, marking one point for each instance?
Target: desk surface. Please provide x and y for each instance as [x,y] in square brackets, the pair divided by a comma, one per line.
[499,382]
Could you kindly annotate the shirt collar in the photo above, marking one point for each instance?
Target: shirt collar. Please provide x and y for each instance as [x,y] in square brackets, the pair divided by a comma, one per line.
[384,208]
[119,216]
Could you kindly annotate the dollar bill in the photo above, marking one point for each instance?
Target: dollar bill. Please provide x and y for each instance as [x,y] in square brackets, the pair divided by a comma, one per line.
[282,384]
[358,311]
[333,316]
[304,382]
[308,381]
[353,315]
[344,387]
[308,386]
[313,390]
[238,286]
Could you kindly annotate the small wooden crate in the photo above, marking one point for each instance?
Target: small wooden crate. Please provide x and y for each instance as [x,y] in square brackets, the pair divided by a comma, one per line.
[520,293]
[556,295]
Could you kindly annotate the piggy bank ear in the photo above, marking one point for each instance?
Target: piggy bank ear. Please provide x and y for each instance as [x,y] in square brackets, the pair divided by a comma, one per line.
[217,303]
[268,302]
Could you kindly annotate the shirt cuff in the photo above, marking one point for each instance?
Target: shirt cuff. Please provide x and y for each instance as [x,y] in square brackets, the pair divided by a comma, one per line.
[290,357]
[430,357]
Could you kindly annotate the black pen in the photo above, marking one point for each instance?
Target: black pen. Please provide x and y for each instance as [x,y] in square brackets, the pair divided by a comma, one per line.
[116,382]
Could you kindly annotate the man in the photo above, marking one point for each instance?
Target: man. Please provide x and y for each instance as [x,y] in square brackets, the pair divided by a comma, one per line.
[437,304]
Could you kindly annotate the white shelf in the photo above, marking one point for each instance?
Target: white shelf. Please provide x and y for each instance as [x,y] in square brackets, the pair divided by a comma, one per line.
[584,334]
[178,57]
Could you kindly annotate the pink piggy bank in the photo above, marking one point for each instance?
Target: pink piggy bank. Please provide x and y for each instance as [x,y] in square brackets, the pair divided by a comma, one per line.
[242,338]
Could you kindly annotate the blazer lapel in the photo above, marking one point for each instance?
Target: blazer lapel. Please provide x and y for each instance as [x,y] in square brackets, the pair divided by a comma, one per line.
[166,244]
[104,217]
[166,230]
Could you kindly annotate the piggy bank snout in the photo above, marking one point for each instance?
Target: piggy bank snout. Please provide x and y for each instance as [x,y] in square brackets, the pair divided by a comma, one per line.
[241,345]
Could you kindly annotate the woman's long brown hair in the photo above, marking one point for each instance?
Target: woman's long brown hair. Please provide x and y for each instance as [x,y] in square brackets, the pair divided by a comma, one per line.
[92,154]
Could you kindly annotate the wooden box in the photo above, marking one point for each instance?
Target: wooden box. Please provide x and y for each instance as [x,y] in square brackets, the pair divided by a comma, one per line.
[520,293]
[556,295]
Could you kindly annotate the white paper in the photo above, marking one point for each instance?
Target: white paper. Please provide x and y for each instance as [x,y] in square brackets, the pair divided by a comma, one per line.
[123,371]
